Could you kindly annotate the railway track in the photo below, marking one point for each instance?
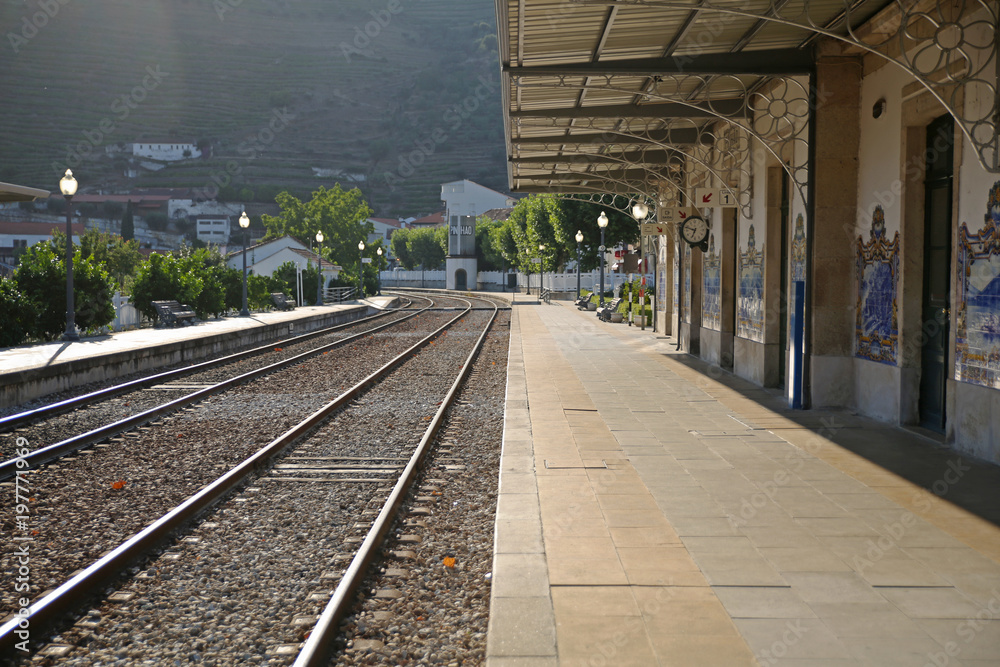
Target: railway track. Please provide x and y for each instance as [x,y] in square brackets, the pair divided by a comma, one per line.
[95,416]
[318,473]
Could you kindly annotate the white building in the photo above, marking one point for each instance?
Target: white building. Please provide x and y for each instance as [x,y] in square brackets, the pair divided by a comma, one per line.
[212,229]
[384,228]
[263,259]
[182,208]
[468,198]
[166,152]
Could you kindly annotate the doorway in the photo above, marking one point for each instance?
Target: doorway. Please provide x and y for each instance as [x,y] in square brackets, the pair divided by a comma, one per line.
[461,283]
[935,304]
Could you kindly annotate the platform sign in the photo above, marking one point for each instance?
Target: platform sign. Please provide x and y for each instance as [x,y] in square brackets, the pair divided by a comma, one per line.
[673,213]
[536,260]
[366,260]
[462,236]
[714,197]
[652,229]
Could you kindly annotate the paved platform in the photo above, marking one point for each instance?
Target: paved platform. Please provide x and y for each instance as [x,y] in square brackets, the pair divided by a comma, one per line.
[656,511]
[60,365]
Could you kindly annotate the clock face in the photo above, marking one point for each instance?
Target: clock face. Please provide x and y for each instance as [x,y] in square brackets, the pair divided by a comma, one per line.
[694,230]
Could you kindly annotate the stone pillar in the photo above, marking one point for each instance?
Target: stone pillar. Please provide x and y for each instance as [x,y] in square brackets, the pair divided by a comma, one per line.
[664,277]
[835,175]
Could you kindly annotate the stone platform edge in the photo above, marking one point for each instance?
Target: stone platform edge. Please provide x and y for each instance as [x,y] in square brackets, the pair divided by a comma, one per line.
[26,384]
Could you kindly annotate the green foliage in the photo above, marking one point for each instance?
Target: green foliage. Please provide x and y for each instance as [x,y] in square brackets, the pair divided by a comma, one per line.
[164,278]
[128,223]
[553,222]
[120,258]
[16,313]
[489,257]
[41,278]
[259,292]
[401,249]
[341,215]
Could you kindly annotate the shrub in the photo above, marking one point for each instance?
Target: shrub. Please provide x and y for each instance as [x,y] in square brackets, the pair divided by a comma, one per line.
[16,314]
[41,278]
[164,277]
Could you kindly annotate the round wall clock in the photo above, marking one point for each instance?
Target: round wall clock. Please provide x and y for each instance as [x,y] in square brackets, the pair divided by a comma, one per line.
[694,230]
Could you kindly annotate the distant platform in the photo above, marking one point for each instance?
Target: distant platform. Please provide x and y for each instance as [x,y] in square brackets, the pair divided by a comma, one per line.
[32,371]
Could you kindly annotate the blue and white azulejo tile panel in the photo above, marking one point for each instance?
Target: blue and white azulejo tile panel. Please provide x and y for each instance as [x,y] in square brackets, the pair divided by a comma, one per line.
[877,330]
[711,290]
[750,308]
[977,331]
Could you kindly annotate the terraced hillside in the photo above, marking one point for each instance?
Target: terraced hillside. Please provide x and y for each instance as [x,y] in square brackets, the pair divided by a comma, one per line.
[401,93]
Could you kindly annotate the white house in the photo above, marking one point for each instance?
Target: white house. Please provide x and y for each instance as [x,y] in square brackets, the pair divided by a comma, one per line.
[166,152]
[384,228]
[212,229]
[468,198]
[264,258]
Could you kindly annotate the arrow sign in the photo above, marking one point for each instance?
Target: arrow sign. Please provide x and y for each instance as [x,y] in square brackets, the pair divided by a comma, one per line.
[672,213]
[706,196]
[714,197]
[652,229]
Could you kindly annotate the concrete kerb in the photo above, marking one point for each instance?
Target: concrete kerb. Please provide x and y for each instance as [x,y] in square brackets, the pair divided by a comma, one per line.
[51,375]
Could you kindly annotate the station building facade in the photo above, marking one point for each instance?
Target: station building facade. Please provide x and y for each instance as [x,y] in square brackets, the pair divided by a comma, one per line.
[857,264]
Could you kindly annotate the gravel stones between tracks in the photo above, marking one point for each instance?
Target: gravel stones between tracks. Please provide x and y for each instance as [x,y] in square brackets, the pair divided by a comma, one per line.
[60,427]
[441,614]
[226,601]
[79,516]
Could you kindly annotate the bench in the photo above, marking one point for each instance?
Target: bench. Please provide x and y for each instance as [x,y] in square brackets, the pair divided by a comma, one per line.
[281,301]
[172,312]
[582,302]
[604,313]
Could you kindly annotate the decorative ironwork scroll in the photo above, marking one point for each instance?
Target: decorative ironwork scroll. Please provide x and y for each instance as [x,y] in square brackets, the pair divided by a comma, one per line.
[950,48]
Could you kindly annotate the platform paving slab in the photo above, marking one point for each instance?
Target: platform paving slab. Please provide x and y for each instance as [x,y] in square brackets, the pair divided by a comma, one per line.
[682,516]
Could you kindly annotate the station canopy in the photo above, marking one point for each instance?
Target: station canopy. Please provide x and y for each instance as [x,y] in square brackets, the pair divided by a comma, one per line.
[13,193]
[618,96]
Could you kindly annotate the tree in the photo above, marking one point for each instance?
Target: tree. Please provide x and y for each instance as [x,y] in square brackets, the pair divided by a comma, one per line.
[341,215]
[164,277]
[427,247]
[120,258]
[553,222]
[41,278]
[489,258]
[401,248]
[128,223]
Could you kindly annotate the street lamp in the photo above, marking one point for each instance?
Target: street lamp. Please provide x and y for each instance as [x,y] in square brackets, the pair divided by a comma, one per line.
[361,268]
[378,269]
[244,223]
[68,186]
[579,240]
[541,269]
[319,283]
[602,222]
[639,210]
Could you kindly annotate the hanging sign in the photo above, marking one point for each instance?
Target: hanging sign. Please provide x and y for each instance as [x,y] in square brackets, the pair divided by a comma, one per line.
[714,198]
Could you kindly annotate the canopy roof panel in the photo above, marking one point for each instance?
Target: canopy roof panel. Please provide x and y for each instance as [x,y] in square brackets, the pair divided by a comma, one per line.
[598,72]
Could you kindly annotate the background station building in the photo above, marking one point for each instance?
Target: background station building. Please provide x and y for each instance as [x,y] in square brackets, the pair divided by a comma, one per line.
[843,154]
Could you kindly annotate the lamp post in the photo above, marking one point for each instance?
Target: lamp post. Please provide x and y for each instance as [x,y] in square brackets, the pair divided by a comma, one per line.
[541,269]
[602,222]
[67,184]
[378,269]
[244,223]
[361,268]
[319,282]
[579,240]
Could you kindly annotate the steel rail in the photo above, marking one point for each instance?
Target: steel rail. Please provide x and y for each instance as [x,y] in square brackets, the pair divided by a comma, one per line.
[43,613]
[11,467]
[11,422]
[316,650]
